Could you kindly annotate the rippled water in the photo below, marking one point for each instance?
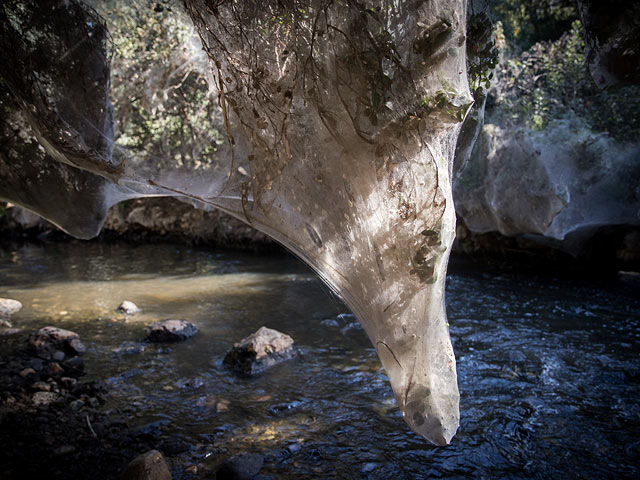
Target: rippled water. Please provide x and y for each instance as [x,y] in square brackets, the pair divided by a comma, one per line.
[548,369]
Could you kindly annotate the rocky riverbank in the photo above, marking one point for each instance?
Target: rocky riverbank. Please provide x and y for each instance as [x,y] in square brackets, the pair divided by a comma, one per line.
[54,425]
[163,219]
[153,220]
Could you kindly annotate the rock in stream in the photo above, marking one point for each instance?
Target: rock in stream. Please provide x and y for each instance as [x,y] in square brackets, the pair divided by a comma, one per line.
[8,307]
[170,331]
[128,308]
[148,466]
[259,351]
[53,343]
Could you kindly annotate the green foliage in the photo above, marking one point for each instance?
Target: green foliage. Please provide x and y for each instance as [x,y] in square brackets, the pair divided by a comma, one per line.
[482,54]
[551,80]
[528,22]
[163,106]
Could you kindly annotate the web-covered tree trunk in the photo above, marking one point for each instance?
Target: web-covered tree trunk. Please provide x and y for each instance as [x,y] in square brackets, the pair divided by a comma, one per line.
[341,120]
[347,114]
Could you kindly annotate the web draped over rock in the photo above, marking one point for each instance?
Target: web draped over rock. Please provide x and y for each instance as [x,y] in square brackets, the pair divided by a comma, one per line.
[330,126]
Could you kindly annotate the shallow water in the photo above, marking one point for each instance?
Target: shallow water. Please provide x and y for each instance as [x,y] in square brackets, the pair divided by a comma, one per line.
[549,370]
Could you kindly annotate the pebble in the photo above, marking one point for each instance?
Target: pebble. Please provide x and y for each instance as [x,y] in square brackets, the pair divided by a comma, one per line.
[369,467]
[128,308]
[68,381]
[294,447]
[41,386]
[330,322]
[129,348]
[64,450]
[36,363]
[43,398]
[351,327]
[27,371]
[222,406]
[54,369]
[240,467]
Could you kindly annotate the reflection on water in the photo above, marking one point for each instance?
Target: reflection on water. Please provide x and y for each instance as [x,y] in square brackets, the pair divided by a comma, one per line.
[549,370]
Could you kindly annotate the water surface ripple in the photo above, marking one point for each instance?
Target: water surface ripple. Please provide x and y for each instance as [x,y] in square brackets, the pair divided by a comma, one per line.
[548,368]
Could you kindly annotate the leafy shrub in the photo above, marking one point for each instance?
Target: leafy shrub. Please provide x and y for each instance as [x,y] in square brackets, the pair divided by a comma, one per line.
[528,22]
[551,80]
[164,107]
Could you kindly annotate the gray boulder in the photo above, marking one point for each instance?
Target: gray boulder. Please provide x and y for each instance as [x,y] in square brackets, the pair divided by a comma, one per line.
[171,330]
[148,466]
[259,351]
[559,185]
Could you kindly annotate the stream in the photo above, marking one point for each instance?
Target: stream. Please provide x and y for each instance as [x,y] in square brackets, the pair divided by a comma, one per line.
[549,368]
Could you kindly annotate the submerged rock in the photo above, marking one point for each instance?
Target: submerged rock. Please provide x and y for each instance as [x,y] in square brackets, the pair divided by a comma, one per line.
[48,341]
[73,366]
[128,308]
[330,322]
[129,348]
[5,331]
[240,467]
[148,466]
[259,351]
[171,330]
[174,446]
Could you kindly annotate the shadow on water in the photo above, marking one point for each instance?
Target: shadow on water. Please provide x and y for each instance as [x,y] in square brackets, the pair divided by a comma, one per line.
[548,368]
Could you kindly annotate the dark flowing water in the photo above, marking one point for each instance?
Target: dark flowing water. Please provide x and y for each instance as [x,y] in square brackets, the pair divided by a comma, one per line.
[548,369]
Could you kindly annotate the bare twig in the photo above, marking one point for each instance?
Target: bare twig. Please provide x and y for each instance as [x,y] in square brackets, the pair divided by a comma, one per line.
[93,432]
